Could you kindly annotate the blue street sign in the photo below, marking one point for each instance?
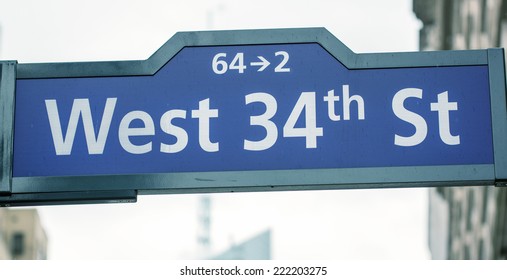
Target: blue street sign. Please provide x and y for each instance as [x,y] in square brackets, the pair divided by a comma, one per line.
[213,109]
[240,111]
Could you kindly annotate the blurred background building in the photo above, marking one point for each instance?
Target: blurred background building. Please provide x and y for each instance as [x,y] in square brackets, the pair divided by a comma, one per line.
[465,223]
[22,236]
[204,226]
[255,248]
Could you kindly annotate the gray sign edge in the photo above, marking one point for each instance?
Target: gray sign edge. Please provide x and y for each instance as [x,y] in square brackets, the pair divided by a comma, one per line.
[7,92]
[230,181]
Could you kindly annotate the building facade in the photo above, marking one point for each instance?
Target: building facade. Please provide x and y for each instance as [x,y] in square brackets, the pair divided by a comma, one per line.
[22,236]
[4,249]
[468,222]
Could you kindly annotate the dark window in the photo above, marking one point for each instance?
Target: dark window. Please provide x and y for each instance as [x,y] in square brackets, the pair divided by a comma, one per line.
[18,246]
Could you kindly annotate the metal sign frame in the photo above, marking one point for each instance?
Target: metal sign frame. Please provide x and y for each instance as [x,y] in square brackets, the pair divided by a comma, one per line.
[124,188]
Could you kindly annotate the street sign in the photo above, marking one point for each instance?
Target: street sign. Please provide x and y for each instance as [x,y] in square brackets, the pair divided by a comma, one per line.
[257,110]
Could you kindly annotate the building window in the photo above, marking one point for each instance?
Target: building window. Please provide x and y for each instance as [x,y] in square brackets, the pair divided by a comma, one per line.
[484,13]
[467,253]
[18,246]
[470,208]
[470,31]
[458,25]
[485,195]
[456,219]
[482,251]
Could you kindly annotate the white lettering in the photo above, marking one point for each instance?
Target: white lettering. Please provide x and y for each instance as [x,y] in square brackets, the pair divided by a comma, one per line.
[310,131]
[125,131]
[263,120]
[330,99]
[204,113]
[346,104]
[178,132]
[421,128]
[443,106]
[80,107]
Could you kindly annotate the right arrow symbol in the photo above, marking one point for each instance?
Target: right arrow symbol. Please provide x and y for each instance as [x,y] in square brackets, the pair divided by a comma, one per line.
[263,63]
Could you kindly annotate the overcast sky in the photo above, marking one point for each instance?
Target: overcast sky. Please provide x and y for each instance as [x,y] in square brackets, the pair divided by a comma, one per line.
[344,224]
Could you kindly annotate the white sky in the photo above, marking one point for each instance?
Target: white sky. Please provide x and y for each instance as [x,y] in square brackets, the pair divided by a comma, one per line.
[345,224]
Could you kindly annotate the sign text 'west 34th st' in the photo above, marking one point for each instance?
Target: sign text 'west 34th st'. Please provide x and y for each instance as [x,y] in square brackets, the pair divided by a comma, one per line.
[247,110]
